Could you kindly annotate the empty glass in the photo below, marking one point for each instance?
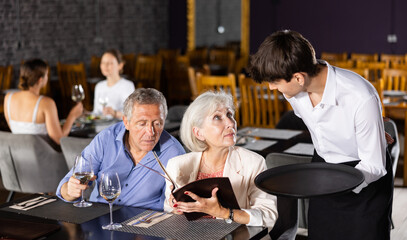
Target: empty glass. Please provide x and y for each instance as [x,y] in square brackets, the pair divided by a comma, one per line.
[109,189]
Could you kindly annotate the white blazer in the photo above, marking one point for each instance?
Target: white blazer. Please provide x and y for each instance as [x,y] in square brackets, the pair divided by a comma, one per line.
[242,166]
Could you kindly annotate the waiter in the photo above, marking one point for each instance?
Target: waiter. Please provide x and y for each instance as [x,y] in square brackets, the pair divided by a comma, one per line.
[343,114]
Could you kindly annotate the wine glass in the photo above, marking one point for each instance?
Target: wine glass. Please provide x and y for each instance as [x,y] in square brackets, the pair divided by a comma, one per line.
[103,101]
[83,171]
[109,189]
[77,93]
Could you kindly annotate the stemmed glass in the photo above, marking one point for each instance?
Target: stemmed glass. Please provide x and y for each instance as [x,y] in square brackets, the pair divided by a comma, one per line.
[77,93]
[83,171]
[103,101]
[110,189]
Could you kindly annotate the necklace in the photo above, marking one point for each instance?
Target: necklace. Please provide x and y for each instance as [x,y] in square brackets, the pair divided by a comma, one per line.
[212,170]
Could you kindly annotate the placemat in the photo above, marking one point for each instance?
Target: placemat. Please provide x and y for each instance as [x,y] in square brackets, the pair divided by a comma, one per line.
[63,211]
[178,227]
[269,133]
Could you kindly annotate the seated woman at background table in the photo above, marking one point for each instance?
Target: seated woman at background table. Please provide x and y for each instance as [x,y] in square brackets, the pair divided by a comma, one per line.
[208,129]
[111,93]
[28,112]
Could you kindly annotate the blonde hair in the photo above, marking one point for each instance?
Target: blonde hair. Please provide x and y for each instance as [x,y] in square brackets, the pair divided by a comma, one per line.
[203,106]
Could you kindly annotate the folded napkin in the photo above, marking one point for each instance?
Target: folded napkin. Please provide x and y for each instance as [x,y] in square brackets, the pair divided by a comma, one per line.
[155,217]
[32,203]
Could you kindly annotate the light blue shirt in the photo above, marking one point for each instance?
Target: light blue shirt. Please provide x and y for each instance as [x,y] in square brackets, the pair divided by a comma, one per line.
[141,187]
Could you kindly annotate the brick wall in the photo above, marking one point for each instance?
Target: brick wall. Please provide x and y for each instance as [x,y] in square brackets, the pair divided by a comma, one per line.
[207,22]
[74,30]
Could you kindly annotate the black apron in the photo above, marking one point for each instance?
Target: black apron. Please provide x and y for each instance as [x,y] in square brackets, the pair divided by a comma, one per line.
[348,216]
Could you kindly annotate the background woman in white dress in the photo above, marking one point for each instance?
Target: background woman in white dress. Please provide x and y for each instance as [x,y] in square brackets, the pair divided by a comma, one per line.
[111,93]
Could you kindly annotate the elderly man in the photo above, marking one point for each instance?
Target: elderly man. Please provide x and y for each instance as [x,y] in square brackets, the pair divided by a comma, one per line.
[126,148]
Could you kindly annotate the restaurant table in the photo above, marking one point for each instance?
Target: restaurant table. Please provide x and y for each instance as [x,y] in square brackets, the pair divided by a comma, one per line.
[401,108]
[90,128]
[33,225]
[281,145]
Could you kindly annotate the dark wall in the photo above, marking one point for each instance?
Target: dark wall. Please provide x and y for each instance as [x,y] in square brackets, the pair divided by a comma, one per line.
[334,26]
[178,24]
[74,30]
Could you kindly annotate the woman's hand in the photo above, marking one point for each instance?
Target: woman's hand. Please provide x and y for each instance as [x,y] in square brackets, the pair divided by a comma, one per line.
[209,206]
[109,111]
[77,110]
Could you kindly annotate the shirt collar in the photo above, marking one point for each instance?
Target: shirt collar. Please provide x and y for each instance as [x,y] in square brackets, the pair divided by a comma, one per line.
[329,95]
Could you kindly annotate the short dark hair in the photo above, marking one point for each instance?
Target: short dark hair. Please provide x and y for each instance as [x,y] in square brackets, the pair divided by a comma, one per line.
[31,71]
[282,54]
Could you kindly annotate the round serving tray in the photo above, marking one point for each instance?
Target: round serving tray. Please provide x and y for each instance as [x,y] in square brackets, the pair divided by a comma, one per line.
[309,180]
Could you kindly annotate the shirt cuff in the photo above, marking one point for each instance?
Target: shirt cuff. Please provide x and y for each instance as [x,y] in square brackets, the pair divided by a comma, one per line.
[360,187]
[255,215]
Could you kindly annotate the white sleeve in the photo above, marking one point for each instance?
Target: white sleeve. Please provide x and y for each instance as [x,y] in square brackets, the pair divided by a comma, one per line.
[371,141]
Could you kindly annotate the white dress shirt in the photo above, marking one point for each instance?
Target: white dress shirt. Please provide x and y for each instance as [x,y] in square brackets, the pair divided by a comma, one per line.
[347,124]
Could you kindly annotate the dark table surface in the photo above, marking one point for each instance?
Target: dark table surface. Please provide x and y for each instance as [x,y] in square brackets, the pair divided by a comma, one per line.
[17,222]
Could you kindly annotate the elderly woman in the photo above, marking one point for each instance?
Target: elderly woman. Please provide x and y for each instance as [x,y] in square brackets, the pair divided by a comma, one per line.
[208,129]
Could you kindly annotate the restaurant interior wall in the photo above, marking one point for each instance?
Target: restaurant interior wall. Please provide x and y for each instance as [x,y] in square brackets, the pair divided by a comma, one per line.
[334,26]
[72,31]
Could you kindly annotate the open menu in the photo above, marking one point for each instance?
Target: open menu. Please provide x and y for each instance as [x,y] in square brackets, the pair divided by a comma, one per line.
[203,188]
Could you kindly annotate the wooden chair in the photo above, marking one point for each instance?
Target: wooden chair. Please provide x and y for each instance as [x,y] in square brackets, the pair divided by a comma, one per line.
[222,58]
[178,85]
[219,83]
[69,75]
[28,164]
[394,79]
[334,57]
[259,104]
[375,69]
[95,71]
[148,71]
[391,59]
[343,64]
[6,76]
[364,57]
[129,65]
[168,58]
[364,72]
[198,57]
[379,86]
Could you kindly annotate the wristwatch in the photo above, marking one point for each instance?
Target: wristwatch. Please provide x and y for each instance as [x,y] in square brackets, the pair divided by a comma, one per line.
[230,219]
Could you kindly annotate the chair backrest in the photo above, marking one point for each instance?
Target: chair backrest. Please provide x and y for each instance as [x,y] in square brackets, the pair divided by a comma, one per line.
[391,128]
[95,71]
[69,75]
[375,69]
[129,65]
[259,104]
[391,59]
[329,56]
[198,57]
[379,86]
[217,83]
[364,72]
[224,58]
[178,85]
[394,79]
[6,75]
[343,64]
[73,146]
[148,71]
[364,57]
[29,164]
